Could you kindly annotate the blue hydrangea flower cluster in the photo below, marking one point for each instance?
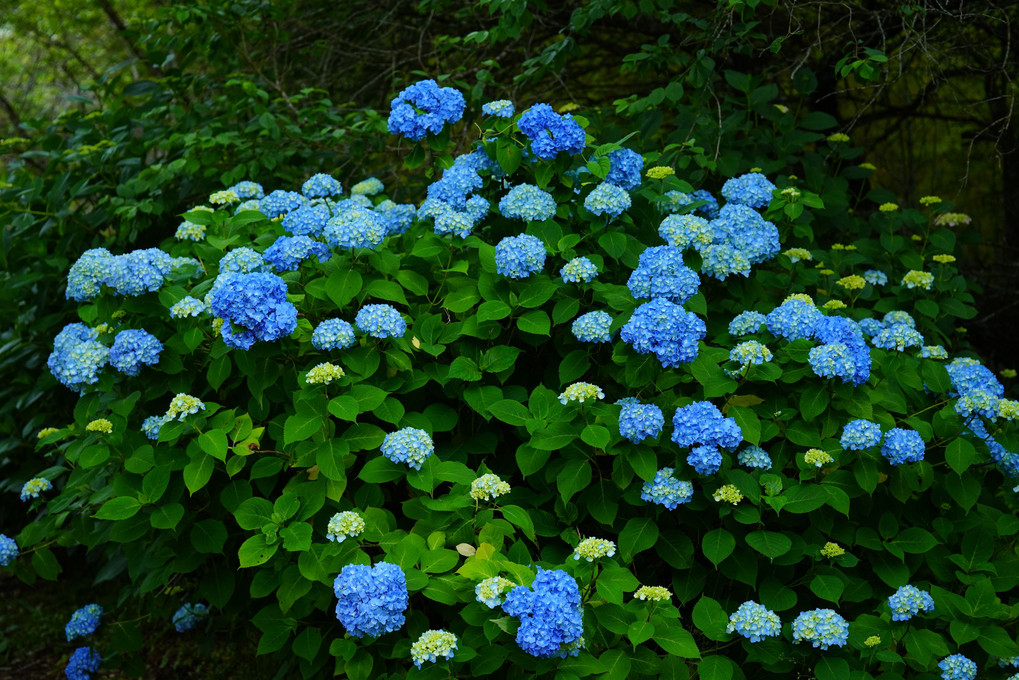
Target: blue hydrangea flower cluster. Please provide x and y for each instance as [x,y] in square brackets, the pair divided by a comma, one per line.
[500,108]
[638,421]
[666,490]
[528,203]
[843,352]
[1007,461]
[367,187]
[746,323]
[750,352]
[457,183]
[794,319]
[490,591]
[550,616]
[423,108]
[593,327]
[705,460]
[550,132]
[254,308]
[189,616]
[661,273]
[978,390]
[242,261]
[247,190]
[666,330]
[431,645]
[371,600]
[519,256]
[133,349]
[321,185]
[579,270]
[187,307]
[897,337]
[409,445]
[333,334]
[399,216]
[752,189]
[8,550]
[607,199]
[755,622]
[134,273]
[77,356]
[861,434]
[830,361]
[754,457]
[189,231]
[307,221]
[822,628]
[706,204]
[625,167]
[903,446]
[280,202]
[687,231]
[908,601]
[355,227]
[35,486]
[875,278]
[380,321]
[701,423]
[83,622]
[288,252]
[83,663]
[957,667]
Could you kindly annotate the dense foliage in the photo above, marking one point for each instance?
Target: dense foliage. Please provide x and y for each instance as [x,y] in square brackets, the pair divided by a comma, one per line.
[579,412]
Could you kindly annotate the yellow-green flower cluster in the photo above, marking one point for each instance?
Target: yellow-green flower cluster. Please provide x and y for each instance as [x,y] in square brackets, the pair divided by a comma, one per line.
[797,254]
[827,272]
[728,493]
[868,166]
[47,431]
[888,207]
[100,425]
[802,297]
[842,246]
[184,405]
[832,305]
[952,220]
[323,374]
[873,641]
[344,525]
[817,457]
[488,486]
[660,172]
[792,193]
[930,200]
[918,279]
[431,645]
[591,549]
[653,593]
[581,391]
[225,197]
[1008,409]
[832,550]
[1005,373]
[944,259]
[838,137]
[852,282]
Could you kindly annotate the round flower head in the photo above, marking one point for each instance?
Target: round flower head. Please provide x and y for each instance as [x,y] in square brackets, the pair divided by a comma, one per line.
[288,252]
[310,220]
[189,231]
[624,169]
[500,108]
[661,273]
[453,222]
[593,327]
[423,108]
[528,203]
[551,619]
[431,645]
[702,423]
[490,591]
[591,549]
[908,601]
[189,616]
[333,334]
[653,594]
[101,425]
[918,279]
[858,435]
[224,197]
[797,254]
[151,426]
[705,460]
[750,352]
[853,282]
[488,487]
[47,431]
[902,446]
[754,622]
[897,337]
[607,199]
[355,227]
[279,203]
[380,321]
[752,189]
[793,319]
[399,216]
[83,622]
[83,663]
[321,185]
[581,391]
[728,493]
[409,445]
[371,600]
[185,307]
[519,256]
[822,628]
[686,231]
[247,190]
[832,550]
[8,550]
[936,352]
[660,172]
[833,360]
[666,330]
[33,487]
[957,667]
[746,323]
[754,457]
[550,132]
[817,458]
[579,270]
[133,349]
[371,186]
[256,307]
[638,422]
[665,490]
[875,278]
[77,358]
[184,405]
[344,525]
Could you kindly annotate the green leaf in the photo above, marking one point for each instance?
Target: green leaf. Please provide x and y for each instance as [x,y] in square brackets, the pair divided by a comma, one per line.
[296,537]
[677,641]
[45,564]
[510,411]
[198,472]
[494,310]
[307,644]
[832,668]
[519,517]
[122,507]
[343,285]
[827,587]
[960,454]
[997,642]
[386,290]
[464,369]
[769,543]
[915,540]
[715,668]
[344,407]
[253,513]
[256,551]
[461,299]
[363,436]
[301,426]
[380,470]
[208,536]
[717,545]
[641,631]
[535,322]
[711,619]
[748,422]
[509,156]
[167,516]
[574,476]
[214,443]
[813,401]
[617,664]
[329,458]
[639,534]
[595,435]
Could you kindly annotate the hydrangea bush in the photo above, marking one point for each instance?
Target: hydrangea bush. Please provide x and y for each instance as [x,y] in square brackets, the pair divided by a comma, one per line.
[566,414]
